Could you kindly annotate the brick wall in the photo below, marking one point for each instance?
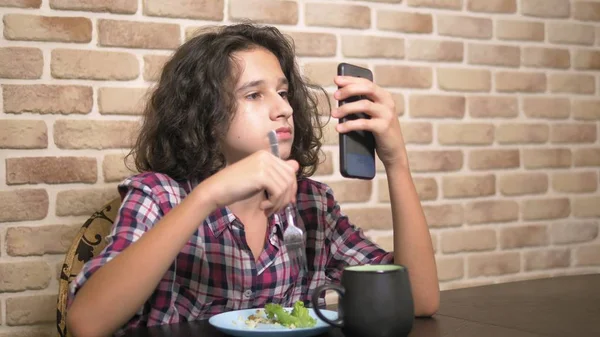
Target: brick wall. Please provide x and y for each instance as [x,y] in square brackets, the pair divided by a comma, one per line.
[498,100]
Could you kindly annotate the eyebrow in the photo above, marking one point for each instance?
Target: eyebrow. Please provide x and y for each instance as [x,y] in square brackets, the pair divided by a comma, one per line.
[251,84]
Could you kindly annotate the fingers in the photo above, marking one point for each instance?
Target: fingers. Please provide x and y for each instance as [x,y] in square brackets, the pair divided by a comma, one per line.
[279,179]
[355,86]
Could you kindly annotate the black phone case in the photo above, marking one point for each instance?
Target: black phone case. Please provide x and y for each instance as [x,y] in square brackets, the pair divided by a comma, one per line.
[357,148]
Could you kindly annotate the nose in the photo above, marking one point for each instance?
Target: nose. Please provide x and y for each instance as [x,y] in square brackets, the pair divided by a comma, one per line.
[281,108]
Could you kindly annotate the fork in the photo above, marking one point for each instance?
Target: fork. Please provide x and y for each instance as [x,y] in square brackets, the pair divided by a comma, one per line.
[293,237]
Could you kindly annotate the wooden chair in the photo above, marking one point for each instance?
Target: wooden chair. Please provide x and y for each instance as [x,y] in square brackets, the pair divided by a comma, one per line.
[89,242]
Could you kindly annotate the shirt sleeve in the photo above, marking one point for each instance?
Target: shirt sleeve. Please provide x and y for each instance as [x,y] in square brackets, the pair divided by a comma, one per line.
[348,244]
[138,211]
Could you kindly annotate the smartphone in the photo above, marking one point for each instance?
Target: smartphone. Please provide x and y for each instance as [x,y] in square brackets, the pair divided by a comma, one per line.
[357,148]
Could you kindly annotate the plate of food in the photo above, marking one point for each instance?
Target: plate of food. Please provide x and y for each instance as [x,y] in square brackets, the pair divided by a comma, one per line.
[297,321]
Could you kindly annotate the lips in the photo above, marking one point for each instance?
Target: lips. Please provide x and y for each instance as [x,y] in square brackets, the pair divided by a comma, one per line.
[284,133]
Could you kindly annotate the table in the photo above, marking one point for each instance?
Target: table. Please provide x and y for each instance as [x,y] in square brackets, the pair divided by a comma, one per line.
[560,306]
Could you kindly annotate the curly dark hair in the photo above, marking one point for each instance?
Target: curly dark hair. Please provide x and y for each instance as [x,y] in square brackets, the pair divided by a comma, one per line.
[192,106]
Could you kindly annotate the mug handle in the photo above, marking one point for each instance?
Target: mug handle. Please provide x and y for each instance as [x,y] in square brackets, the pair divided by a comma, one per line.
[338,322]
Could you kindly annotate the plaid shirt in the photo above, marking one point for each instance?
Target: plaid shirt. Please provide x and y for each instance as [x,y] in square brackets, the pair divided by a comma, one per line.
[216,271]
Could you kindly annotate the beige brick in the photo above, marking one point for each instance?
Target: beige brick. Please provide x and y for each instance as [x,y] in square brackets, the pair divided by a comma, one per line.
[325,166]
[131,34]
[337,15]
[492,6]
[23,204]
[264,11]
[540,57]
[50,170]
[523,183]
[574,133]
[464,26]
[405,22]
[417,132]
[93,65]
[47,28]
[587,255]
[473,80]
[494,55]
[27,310]
[21,63]
[465,134]
[48,99]
[83,201]
[436,106]
[90,134]
[450,268]
[435,50]
[372,47]
[351,190]
[110,6]
[586,60]
[325,102]
[330,135]
[314,44]
[478,212]
[115,169]
[523,236]
[153,66]
[385,242]
[586,10]
[520,30]
[572,83]
[443,4]
[447,215]
[435,160]
[537,209]
[31,331]
[403,76]
[546,107]
[493,264]
[48,239]
[24,275]
[546,158]
[21,3]
[426,189]
[493,159]
[575,182]
[493,106]
[122,101]
[574,232]
[513,81]
[202,10]
[399,105]
[469,186]
[586,207]
[546,8]
[23,134]
[586,157]
[321,73]
[522,133]
[370,218]
[571,33]
[470,240]
[547,259]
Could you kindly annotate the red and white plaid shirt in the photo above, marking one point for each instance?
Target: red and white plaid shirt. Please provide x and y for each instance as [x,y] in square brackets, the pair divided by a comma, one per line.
[216,271]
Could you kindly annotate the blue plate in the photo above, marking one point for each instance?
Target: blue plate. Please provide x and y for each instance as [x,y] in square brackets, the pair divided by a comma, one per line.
[233,323]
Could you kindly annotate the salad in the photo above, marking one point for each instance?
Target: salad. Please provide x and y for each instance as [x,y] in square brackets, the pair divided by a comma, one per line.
[298,317]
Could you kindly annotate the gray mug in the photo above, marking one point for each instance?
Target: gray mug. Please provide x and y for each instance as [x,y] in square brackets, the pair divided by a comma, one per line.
[374,301]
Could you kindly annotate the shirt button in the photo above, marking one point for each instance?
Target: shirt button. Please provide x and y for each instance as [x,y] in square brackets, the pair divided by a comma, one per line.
[247,293]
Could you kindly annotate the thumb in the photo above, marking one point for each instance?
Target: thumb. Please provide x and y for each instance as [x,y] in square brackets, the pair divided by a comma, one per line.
[293,164]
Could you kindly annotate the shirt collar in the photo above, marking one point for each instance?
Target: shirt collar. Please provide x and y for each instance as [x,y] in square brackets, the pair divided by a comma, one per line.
[220,219]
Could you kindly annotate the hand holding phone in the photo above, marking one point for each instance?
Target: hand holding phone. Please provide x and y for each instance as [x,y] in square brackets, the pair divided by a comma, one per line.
[357,148]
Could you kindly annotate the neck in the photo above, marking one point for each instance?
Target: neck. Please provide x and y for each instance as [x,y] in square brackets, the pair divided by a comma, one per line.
[248,206]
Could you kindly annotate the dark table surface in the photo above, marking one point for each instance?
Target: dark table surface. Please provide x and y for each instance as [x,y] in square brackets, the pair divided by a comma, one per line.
[560,306]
